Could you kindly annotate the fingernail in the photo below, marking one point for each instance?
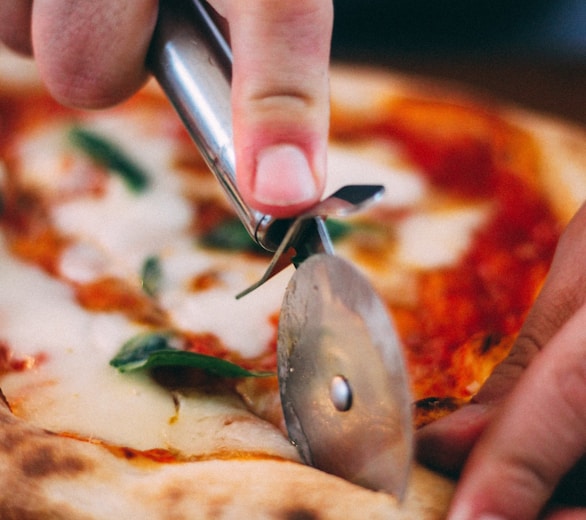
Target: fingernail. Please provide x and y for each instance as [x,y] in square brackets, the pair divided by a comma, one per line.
[283,176]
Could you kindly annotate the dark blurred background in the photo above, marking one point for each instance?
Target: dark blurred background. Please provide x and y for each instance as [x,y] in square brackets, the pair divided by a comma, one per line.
[531,52]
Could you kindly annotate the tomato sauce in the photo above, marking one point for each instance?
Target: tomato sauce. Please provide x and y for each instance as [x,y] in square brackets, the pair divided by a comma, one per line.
[473,154]
[11,363]
[209,344]
[116,295]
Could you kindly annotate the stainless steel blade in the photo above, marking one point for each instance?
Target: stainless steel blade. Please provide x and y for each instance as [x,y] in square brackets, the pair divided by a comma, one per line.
[342,378]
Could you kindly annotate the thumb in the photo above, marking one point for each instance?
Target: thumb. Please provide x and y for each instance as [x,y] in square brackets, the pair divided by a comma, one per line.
[280,100]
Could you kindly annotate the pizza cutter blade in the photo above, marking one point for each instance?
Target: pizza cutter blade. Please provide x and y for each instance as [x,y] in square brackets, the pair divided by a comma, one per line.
[342,379]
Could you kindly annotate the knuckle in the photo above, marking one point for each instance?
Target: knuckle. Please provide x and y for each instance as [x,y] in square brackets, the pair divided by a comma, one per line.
[285,100]
[507,373]
[529,477]
[527,345]
[287,104]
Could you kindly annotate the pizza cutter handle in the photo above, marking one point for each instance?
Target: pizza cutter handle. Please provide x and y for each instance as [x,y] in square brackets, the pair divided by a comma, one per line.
[193,63]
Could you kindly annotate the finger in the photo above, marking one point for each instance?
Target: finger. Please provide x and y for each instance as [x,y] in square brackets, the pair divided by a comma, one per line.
[280,100]
[538,435]
[567,514]
[91,53]
[15,25]
[445,444]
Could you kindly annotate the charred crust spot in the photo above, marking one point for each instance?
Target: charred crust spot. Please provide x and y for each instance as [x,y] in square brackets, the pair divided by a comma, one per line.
[4,401]
[44,461]
[431,409]
[489,342]
[10,441]
[128,454]
[438,403]
[301,514]
[175,494]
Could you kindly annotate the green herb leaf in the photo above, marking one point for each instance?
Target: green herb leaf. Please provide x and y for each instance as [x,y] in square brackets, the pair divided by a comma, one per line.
[151,275]
[107,154]
[230,235]
[151,350]
[338,229]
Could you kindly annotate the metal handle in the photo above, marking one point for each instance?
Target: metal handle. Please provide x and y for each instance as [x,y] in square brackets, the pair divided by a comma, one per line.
[193,63]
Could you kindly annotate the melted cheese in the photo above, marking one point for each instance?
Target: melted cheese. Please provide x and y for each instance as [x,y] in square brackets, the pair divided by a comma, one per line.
[75,390]
[115,232]
[436,239]
[376,163]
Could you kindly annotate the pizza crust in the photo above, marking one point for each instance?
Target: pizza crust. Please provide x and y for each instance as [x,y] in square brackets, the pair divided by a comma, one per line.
[56,477]
[563,160]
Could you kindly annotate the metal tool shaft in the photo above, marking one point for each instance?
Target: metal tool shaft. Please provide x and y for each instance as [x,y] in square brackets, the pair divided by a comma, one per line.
[192,62]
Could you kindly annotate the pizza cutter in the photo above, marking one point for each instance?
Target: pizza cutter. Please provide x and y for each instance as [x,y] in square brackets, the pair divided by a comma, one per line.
[342,378]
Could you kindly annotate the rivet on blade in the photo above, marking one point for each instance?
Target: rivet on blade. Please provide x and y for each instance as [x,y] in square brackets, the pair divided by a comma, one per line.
[341,393]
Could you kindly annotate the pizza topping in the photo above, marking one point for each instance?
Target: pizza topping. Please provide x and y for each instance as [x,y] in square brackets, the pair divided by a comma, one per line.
[154,350]
[205,281]
[230,235]
[438,239]
[108,155]
[42,247]
[261,396]
[151,275]
[11,363]
[117,295]
[44,161]
[76,390]
[376,161]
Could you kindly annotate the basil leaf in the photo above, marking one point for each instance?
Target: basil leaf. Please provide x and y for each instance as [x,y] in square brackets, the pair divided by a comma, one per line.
[107,154]
[230,235]
[151,275]
[135,353]
[338,229]
[152,350]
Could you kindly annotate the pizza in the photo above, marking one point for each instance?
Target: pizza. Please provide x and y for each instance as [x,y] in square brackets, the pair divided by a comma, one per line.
[134,384]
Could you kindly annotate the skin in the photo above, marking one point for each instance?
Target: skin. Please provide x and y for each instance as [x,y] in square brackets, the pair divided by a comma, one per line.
[91,54]
[526,429]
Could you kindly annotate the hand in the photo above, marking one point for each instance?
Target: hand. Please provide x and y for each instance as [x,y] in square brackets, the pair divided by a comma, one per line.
[91,54]
[526,431]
